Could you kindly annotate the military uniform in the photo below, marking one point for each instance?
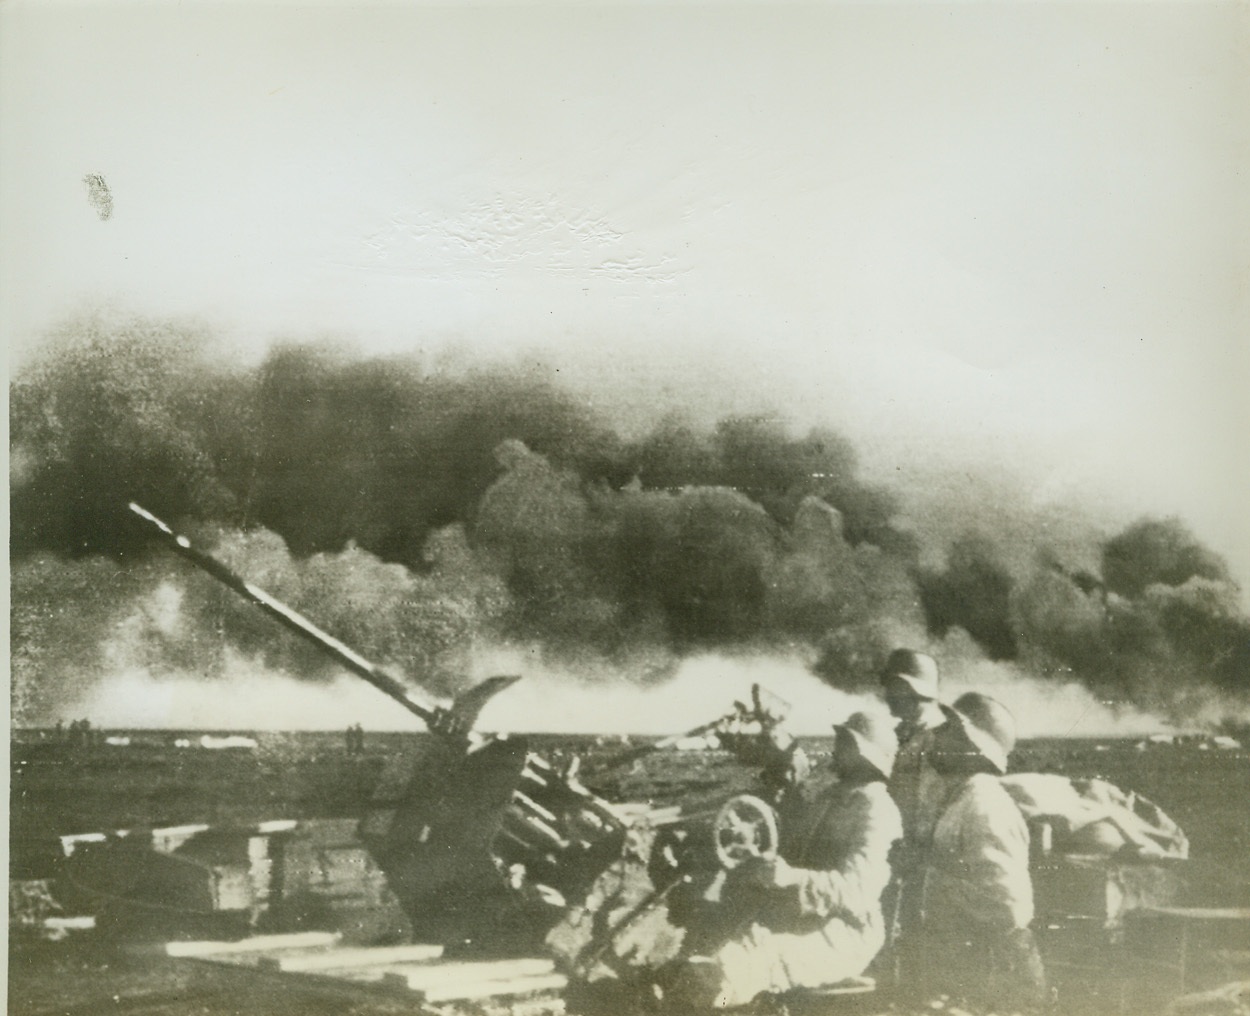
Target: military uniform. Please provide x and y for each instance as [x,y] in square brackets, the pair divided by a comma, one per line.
[821,921]
[973,939]
[916,788]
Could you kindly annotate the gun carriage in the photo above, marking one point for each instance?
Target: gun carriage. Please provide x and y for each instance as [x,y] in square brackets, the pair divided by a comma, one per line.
[494,848]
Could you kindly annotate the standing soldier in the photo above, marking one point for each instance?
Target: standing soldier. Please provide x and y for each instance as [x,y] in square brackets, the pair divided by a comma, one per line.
[909,683]
[974,937]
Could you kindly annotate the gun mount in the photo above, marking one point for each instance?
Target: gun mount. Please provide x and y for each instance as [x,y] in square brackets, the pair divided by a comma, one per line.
[483,823]
[490,845]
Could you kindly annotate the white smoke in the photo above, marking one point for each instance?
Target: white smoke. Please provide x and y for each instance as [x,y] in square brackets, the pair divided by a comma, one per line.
[248,697]
[1042,707]
[549,699]
[702,688]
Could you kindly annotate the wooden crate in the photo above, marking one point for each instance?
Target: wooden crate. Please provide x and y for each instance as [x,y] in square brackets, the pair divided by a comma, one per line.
[420,975]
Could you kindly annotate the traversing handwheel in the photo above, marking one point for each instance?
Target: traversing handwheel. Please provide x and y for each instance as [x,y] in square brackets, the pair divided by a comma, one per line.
[744,827]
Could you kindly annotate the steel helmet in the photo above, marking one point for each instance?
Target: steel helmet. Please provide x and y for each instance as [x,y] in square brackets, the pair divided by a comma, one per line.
[874,739]
[917,670]
[987,723]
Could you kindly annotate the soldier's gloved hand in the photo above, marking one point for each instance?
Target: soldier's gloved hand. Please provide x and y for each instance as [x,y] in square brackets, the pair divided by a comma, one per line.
[766,873]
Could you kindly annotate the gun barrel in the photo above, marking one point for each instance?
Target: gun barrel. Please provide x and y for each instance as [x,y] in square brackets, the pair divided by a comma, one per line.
[293,620]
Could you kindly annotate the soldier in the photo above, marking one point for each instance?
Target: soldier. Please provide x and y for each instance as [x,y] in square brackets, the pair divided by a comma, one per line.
[811,916]
[974,937]
[909,682]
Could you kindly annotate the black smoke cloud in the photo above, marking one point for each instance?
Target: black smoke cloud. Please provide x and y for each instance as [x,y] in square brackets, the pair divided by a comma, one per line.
[417,513]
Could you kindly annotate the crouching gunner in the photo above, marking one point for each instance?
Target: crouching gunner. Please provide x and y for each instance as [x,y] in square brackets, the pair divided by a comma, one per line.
[810,916]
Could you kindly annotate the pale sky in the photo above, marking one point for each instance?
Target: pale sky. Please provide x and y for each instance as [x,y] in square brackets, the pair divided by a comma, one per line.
[1012,234]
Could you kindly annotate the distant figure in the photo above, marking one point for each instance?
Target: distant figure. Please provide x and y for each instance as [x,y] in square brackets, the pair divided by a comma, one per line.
[354,739]
[80,733]
[974,938]
[811,916]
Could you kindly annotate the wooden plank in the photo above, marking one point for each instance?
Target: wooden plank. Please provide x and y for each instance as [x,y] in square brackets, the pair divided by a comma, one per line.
[277,825]
[418,977]
[376,974]
[356,958]
[467,991]
[546,1005]
[1198,913]
[260,943]
[70,843]
[84,922]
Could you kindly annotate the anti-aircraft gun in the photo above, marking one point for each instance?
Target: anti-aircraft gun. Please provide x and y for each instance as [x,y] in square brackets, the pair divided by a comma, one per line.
[492,846]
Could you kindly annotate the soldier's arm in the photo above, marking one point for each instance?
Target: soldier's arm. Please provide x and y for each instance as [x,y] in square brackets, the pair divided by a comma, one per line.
[995,861]
[856,885]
